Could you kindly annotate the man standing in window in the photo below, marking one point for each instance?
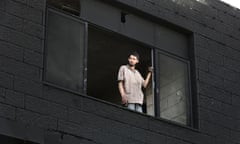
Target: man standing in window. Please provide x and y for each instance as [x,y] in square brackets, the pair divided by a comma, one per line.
[130,83]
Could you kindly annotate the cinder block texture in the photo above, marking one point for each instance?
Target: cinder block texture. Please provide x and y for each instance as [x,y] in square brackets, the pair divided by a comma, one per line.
[68,118]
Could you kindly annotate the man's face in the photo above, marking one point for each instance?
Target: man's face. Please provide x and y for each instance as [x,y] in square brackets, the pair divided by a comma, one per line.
[132,60]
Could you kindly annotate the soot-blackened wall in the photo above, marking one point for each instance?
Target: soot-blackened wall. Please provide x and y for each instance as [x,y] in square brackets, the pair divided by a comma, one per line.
[34,111]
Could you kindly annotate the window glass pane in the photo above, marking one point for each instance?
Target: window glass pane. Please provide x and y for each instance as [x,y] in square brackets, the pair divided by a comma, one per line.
[65,51]
[173,89]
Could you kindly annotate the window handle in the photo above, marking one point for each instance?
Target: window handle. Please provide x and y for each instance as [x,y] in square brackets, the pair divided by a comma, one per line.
[157,91]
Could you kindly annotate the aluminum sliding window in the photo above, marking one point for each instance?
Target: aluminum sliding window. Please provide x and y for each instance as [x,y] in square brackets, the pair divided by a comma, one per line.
[65,51]
[173,89]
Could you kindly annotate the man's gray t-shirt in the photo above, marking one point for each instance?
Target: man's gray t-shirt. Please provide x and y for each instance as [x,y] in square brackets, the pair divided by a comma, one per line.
[132,81]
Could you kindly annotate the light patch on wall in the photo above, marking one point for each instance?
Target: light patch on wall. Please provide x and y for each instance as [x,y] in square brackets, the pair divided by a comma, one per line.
[233,3]
[189,3]
[202,1]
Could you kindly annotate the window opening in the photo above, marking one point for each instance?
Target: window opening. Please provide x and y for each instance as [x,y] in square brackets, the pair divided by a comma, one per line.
[106,53]
[70,44]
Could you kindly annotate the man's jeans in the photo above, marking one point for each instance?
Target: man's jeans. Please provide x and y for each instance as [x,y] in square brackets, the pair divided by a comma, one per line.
[135,107]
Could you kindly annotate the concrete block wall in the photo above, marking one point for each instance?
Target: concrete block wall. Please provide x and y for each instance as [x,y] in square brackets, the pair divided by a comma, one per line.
[34,111]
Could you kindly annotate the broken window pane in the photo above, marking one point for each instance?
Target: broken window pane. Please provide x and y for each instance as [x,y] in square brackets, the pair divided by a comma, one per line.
[173,89]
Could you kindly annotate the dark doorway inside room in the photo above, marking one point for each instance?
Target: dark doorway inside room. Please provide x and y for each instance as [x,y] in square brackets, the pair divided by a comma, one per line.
[107,51]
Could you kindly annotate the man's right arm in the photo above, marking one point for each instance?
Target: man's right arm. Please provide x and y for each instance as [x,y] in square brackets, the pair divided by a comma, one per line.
[122,92]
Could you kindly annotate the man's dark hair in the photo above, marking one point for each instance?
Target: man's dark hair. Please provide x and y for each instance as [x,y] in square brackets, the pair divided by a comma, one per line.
[134,54]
